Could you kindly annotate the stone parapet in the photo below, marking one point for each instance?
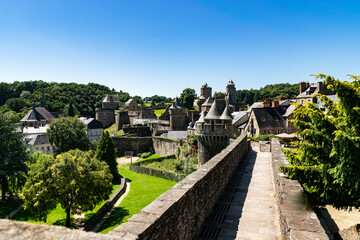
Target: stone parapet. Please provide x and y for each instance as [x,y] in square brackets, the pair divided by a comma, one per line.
[297,219]
[180,212]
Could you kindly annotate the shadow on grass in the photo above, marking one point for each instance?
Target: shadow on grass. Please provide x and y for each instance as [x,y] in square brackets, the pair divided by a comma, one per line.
[24,216]
[7,206]
[61,222]
[115,218]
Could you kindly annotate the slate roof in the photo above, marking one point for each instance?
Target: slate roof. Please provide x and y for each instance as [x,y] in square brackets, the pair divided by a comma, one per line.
[91,123]
[177,134]
[37,114]
[39,140]
[314,89]
[115,98]
[239,115]
[209,101]
[226,115]
[201,118]
[231,82]
[130,101]
[177,104]
[213,112]
[289,110]
[269,118]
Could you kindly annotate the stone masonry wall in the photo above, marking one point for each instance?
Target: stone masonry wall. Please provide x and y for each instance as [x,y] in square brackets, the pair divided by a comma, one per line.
[164,146]
[180,212]
[135,144]
[297,221]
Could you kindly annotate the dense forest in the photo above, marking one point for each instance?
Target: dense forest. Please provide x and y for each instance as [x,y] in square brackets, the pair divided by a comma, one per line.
[18,96]
[286,90]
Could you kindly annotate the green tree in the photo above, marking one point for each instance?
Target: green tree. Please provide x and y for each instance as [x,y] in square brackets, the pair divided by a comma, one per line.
[327,161]
[187,97]
[17,104]
[68,133]
[13,156]
[39,193]
[105,151]
[75,179]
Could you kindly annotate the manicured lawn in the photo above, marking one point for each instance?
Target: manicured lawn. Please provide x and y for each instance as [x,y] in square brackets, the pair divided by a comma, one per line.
[58,215]
[143,190]
[111,130]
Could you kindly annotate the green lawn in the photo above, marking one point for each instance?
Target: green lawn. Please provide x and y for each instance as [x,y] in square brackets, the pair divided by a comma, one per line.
[111,130]
[143,190]
[58,215]
[159,112]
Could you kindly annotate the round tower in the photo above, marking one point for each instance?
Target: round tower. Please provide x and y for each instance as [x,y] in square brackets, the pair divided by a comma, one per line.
[213,131]
[231,92]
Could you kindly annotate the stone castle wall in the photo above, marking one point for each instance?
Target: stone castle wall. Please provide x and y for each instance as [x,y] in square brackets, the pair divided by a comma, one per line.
[105,116]
[297,220]
[135,144]
[165,147]
[180,212]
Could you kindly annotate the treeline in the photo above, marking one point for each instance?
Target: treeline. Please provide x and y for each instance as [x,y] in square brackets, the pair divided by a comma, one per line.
[18,96]
[286,90]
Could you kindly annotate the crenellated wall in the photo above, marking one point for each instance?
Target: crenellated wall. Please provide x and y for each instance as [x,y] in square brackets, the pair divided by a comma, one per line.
[180,212]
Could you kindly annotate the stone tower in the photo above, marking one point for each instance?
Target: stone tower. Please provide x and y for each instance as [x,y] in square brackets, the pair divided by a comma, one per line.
[213,132]
[205,91]
[231,93]
[177,115]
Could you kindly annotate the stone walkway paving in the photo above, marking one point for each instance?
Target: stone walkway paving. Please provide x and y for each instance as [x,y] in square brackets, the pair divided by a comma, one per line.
[247,208]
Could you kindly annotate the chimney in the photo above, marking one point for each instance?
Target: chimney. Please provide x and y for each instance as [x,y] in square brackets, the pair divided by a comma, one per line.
[303,86]
[267,102]
[275,103]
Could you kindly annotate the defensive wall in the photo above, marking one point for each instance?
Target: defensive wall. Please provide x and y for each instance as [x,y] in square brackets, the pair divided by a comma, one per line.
[180,212]
[297,219]
[160,145]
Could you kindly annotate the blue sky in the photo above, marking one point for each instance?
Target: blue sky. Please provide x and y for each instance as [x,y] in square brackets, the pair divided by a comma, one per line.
[162,47]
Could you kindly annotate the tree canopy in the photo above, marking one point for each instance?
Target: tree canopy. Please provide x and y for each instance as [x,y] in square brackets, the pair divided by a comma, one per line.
[327,161]
[75,179]
[68,133]
[105,151]
[187,97]
[13,156]
[269,91]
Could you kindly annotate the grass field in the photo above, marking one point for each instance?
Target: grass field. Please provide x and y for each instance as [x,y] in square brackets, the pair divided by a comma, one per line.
[159,112]
[58,215]
[111,130]
[143,190]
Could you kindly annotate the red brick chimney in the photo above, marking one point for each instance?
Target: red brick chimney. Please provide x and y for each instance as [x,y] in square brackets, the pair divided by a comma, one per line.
[275,103]
[267,102]
[303,86]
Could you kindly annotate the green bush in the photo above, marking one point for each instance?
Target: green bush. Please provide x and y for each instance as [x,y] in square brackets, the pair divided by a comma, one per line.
[146,154]
[262,137]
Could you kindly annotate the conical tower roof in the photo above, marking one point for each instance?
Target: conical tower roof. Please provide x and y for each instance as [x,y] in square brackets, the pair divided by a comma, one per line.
[213,112]
[201,118]
[226,115]
[209,101]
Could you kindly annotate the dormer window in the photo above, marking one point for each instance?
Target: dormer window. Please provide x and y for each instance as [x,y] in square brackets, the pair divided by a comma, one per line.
[307,92]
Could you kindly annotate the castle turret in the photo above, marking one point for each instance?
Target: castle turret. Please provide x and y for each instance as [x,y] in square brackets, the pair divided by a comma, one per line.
[177,115]
[213,132]
[231,92]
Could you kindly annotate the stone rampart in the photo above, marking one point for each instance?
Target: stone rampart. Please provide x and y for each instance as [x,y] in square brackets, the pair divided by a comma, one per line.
[297,220]
[165,146]
[180,212]
[135,144]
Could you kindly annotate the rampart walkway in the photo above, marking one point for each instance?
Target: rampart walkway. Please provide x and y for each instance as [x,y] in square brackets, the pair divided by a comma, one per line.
[247,208]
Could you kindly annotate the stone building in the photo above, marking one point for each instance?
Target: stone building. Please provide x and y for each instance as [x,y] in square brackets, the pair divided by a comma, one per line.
[307,92]
[106,114]
[213,130]
[37,117]
[93,128]
[205,93]
[231,94]
[132,105]
[270,118]
[177,114]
